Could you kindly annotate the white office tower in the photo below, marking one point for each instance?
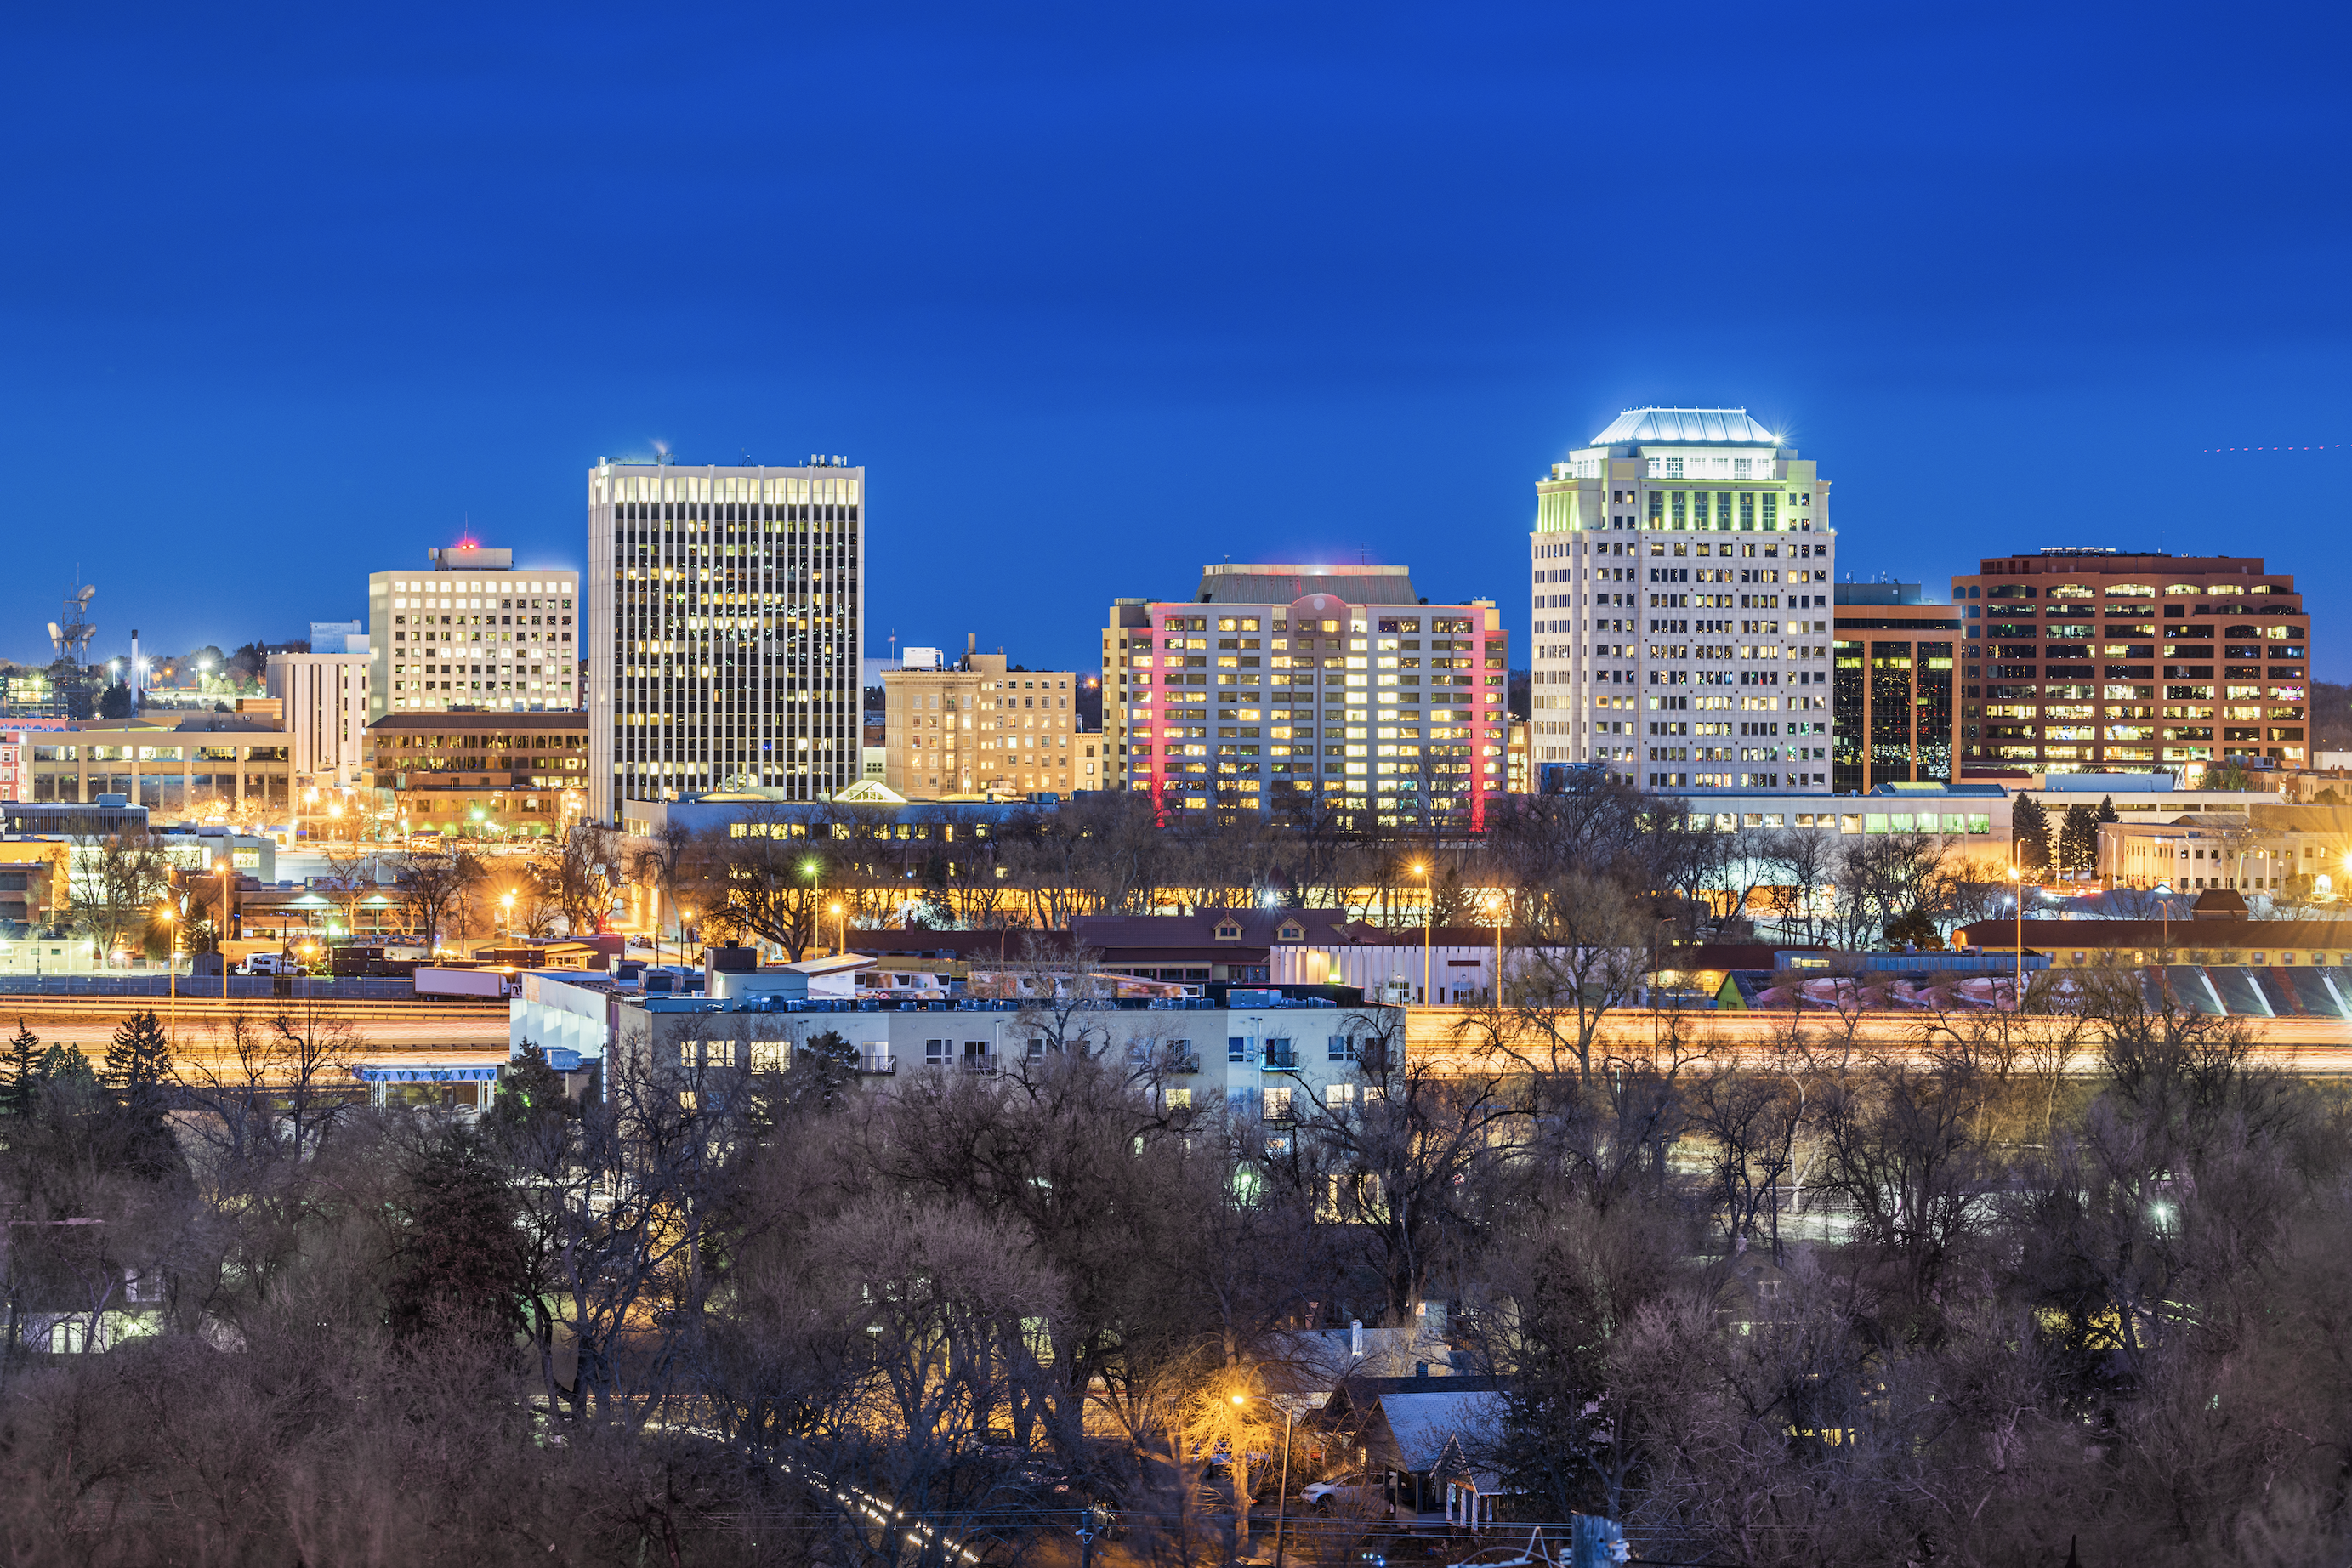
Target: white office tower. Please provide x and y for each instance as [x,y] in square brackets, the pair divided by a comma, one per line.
[728,614]
[1682,566]
[470,631]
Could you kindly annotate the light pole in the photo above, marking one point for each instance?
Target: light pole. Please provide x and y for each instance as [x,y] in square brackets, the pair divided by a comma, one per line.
[841,941]
[1281,1492]
[812,868]
[171,986]
[220,934]
[2017,879]
[1501,902]
[1428,911]
[506,906]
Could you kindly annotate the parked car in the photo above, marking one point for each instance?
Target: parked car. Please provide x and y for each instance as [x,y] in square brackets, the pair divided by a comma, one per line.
[1357,1493]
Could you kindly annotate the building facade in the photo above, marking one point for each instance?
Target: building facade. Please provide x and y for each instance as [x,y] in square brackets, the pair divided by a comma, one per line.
[485,775]
[473,632]
[1895,721]
[2282,850]
[1296,688]
[981,729]
[1682,563]
[729,616]
[2101,661]
[322,705]
[206,765]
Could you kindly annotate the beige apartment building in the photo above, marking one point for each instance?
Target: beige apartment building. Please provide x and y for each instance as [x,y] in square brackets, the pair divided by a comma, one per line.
[979,729]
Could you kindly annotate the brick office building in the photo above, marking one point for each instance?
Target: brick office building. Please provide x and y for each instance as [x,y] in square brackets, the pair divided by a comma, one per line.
[2082,660]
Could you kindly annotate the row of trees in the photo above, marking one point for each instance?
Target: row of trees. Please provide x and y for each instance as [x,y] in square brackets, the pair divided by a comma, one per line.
[777,880]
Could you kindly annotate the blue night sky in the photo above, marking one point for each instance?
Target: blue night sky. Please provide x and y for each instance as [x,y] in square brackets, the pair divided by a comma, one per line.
[1100,293]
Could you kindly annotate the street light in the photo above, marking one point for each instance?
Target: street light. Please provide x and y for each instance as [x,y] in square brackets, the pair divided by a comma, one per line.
[1500,902]
[1428,911]
[2017,878]
[220,933]
[506,903]
[172,984]
[1281,1492]
[841,932]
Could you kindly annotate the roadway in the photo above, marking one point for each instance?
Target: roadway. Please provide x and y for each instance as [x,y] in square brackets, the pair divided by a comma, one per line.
[1460,1036]
[380,1028]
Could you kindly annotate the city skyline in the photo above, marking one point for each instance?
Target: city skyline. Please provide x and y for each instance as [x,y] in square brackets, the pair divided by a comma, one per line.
[1065,331]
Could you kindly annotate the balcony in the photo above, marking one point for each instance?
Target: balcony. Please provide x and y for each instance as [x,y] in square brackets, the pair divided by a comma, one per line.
[879,1063]
[1279,1059]
[980,1064]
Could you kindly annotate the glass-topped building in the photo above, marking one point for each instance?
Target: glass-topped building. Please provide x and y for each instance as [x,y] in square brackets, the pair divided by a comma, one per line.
[1892,689]
[1682,562]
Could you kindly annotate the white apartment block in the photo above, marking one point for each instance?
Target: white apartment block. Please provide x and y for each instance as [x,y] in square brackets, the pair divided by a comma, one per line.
[323,704]
[473,632]
[729,616]
[1682,565]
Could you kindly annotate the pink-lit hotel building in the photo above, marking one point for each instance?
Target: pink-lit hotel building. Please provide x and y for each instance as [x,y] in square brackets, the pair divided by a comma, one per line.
[1304,689]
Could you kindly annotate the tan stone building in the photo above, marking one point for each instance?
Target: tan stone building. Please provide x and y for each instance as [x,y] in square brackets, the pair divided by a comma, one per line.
[204,766]
[981,729]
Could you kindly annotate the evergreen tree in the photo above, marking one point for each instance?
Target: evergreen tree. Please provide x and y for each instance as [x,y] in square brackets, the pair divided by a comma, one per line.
[136,1064]
[2107,809]
[65,1067]
[2029,834]
[1915,926]
[526,1091]
[20,1073]
[458,1266]
[140,1056]
[2078,839]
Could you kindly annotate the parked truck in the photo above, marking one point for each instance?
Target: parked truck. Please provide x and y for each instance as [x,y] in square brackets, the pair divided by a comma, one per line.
[486,983]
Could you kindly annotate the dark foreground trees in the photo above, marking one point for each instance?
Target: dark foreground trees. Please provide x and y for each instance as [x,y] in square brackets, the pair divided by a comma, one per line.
[1814,1303]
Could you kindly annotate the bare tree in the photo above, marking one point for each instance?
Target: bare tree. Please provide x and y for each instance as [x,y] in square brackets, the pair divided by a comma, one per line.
[436,886]
[587,877]
[117,880]
[762,883]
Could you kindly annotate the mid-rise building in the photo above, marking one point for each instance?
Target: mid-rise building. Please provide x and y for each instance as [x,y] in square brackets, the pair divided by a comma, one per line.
[1895,718]
[1682,565]
[728,613]
[480,776]
[197,766]
[1294,688]
[322,703]
[475,631]
[981,729]
[2104,660]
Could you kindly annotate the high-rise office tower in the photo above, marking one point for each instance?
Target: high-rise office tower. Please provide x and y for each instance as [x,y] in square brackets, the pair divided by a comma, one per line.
[473,632]
[2094,661]
[1682,566]
[729,613]
[1896,662]
[1304,689]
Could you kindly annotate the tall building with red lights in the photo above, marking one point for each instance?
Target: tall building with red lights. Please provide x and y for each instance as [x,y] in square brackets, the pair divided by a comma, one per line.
[1308,690]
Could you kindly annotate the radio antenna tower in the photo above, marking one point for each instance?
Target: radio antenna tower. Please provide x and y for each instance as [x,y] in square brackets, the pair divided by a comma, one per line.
[72,637]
